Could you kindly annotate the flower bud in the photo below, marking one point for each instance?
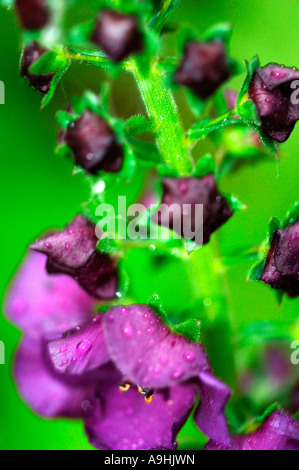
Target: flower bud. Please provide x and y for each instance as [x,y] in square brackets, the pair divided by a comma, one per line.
[272,91]
[31,54]
[180,192]
[33,14]
[204,68]
[94,144]
[281,270]
[73,251]
[117,34]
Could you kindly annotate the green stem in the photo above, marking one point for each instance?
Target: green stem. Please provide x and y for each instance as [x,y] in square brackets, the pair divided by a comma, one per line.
[162,110]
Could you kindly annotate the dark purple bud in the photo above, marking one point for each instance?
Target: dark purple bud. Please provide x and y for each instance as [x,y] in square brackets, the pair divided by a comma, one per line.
[73,252]
[185,194]
[272,90]
[117,34]
[204,68]
[31,54]
[94,144]
[282,265]
[33,14]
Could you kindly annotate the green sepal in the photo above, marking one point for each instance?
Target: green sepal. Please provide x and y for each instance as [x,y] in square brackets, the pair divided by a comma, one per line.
[248,113]
[240,255]
[155,304]
[234,203]
[145,152]
[273,225]
[123,280]
[168,172]
[136,125]
[49,62]
[7,3]
[235,67]
[197,105]
[190,329]
[219,32]
[204,128]
[159,20]
[64,118]
[250,425]
[63,150]
[190,246]
[55,80]
[279,296]
[108,246]
[251,66]
[255,272]
[204,166]
[292,215]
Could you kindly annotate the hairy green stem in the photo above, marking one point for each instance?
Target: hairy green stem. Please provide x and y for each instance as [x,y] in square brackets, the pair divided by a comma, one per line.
[162,110]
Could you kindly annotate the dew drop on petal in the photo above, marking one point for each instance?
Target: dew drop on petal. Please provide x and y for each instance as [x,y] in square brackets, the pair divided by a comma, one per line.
[83,347]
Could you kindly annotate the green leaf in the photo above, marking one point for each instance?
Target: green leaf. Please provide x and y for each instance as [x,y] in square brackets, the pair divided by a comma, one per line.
[64,118]
[204,166]
[160,19]
[55,80]
[251,66]
[155,304]
[255,272]
[49,62]
[292,215]
[220,31]
[137,125]
[190,329]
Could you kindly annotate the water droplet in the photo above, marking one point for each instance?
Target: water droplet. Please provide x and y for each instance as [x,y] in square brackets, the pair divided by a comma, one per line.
[163,359]
[177,374]
[67,246]
[83,347]
[189,357]
[63,349]
[127,331]
[124,311]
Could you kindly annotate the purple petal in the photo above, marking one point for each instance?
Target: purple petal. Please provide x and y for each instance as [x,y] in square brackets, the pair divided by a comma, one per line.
[146,351]
[31,54]
[45,394]
[33,14]
[79,351]
[43,304]
[124,421]
[275,75]
[209,416]
[279,432]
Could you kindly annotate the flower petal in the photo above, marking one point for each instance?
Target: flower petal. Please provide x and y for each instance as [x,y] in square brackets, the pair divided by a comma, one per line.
[45,394]
[123,421]
[43,304]
[79,351]
[209,416]
[146,351]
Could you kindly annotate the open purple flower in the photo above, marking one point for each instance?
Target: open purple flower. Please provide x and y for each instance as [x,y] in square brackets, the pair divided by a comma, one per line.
[45,306]
[272,92]
[73,251]
[94,144]
[281,270]
[117,34]
[278,432]
[204,68]
[31,54]
[33,14]
[183,194]
[139,354]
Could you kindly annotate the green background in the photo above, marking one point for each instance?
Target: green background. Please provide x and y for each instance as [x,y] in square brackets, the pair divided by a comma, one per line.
[39,192]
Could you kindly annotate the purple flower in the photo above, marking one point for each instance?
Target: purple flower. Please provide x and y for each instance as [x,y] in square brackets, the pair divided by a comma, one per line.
[31,54]
[182,191]
[281,270]
[73,252]
[117,34]
[94,144]
[33,14]
[139,354]
[271,91]
[278,432]
[45,306]
[204,68]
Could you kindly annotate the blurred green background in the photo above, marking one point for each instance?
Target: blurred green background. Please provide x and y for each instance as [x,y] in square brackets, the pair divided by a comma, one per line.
[39,192]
